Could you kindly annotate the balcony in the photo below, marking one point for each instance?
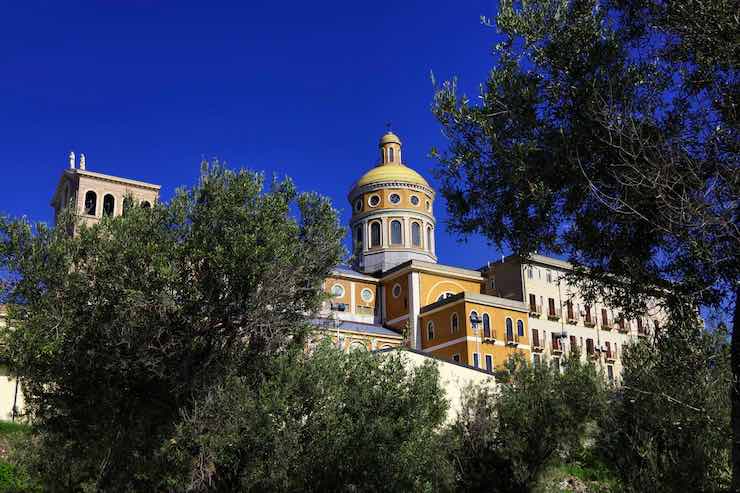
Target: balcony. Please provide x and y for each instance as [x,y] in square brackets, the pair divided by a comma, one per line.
[553,313]
[589,322]
[535,310]
[511,341]
[606,324]
[592,354]
[610,356]
[623,326]
[572,318]
[489,338]
[536,347]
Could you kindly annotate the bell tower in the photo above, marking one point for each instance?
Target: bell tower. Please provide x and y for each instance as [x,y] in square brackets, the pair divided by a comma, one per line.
[93,195]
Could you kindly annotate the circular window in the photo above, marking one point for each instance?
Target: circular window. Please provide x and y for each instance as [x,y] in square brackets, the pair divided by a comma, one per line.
[358,205]
[337,290]
[396,290]
[414,200]
[395,198]
[374,200]
[366,295]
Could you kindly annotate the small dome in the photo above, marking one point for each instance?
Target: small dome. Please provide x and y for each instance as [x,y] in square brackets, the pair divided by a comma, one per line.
[390,138]
[392,172]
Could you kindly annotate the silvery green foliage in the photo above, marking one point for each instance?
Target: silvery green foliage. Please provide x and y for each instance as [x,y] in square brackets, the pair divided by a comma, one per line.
[119,328]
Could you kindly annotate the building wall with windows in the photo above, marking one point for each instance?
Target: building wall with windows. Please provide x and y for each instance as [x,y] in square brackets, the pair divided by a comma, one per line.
[560,318]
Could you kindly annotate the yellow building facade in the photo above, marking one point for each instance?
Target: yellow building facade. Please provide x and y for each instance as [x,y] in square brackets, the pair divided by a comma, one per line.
[396,293]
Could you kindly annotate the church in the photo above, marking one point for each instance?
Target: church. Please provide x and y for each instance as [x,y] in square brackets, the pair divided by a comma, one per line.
[396,294]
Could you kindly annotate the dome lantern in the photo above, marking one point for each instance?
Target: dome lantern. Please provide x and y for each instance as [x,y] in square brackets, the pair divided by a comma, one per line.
[390,149]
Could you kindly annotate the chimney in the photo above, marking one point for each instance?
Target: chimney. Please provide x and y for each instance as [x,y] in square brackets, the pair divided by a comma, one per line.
[82,161]
[71,160]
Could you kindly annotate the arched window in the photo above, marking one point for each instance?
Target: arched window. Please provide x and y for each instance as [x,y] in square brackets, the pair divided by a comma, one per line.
[396,236]
[146,205]
[509,330]
[91,203]
[520,328]
[375,236]
[127,204]
[358,237]
[486,325]
[429,239]
[109,205]
[430,330]
[390,154]
[416,234]
[454,323]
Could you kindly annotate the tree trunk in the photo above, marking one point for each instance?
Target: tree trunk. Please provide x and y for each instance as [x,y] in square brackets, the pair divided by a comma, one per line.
[735,397]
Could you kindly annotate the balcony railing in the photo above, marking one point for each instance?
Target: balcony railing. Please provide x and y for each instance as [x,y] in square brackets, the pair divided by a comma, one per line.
[365,310]
[553,313]
[572,317]
[606,324]
[589,321]
[535,310]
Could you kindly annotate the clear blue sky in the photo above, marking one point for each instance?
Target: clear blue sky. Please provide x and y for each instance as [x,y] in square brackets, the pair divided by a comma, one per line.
[146,89]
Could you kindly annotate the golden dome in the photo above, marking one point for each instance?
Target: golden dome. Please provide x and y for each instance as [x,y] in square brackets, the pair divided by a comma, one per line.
[391,167]
[391,172]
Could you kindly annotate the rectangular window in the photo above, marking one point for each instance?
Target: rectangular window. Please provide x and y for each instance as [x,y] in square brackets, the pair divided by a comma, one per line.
[532,303]
[608,349]
[610,373]
[590,347]
[530,273]
[489,363]
[535,338]
[549,277]
[456,357]
[536,359]
[551,306]
[475,360]
[572,343]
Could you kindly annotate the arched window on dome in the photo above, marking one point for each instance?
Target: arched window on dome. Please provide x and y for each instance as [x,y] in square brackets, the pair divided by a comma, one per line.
[396,233]
[416,234]
[91,203]
[375,234]
[358,237]
[390,155]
